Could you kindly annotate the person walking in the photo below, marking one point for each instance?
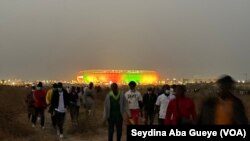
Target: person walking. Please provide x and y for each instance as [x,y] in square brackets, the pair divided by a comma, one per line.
[134,99]
[114,109]
[30,102]
[49,95]
[149,100]
[181,110]
[162,103]
[225,108]
[73,98]
[40,105]
[59,103]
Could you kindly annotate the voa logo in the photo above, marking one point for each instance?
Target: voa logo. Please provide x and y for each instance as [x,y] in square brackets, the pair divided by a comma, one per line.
[232,132]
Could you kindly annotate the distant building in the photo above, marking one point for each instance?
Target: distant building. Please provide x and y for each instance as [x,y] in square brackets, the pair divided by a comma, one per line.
[141,77]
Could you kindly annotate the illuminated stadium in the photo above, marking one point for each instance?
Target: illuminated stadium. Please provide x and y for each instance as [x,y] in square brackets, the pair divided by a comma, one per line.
[142,77]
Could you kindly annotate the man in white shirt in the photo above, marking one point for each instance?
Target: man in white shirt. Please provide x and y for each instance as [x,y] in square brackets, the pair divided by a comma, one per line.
[162,103]
[134,100]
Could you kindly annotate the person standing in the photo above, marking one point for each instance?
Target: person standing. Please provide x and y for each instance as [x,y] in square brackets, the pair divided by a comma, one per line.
[89,99]
[40,104]
[134,99]
[114,109]
[73,98]
[181,110]
[149,100]
[162,103]
[225,108]
[30,102]
[59,103]
[48,101]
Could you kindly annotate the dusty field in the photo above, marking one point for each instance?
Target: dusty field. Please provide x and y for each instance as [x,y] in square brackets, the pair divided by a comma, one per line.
[14,125]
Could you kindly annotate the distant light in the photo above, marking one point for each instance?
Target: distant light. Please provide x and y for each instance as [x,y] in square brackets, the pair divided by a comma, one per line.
[238,81]
[243,81]
[13,83]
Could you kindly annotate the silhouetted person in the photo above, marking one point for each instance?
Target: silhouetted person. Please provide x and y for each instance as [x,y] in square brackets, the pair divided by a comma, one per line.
[149,100]
[30,102]
[115,107]
[73,108]
[181,110]
[226,108]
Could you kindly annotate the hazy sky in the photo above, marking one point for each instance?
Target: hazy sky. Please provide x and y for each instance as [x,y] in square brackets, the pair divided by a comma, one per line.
[54,39]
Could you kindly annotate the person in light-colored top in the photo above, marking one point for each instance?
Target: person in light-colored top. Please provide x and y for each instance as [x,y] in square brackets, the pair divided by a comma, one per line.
[59,103]
[162,103]
[134,100]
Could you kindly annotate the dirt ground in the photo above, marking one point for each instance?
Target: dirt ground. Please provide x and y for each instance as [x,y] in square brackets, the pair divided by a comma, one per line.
[14,124]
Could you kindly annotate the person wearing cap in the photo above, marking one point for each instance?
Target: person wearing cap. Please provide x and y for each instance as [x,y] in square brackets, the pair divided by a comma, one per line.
[59,103]
[149,100]
[40,104]
[30,102]
[134,99]
[226,108]
[181,110]
[48,101]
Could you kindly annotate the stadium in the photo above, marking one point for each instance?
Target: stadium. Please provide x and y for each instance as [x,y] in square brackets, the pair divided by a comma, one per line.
[105,77]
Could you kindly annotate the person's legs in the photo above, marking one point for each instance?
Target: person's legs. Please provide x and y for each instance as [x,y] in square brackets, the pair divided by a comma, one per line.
[146,118]
[110,130]
[77,114]
[41,111]
[34,117]
[119,129]
[61,117]
[53,120]
[71,111]
[135,115]
[161,121]
[151,119]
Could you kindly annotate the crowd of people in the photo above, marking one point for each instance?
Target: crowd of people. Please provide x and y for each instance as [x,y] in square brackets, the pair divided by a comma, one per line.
[58,100]
[170,106]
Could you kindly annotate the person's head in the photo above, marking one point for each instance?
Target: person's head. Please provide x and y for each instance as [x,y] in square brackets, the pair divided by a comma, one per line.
[150,90]
[73,89]
[39,86]
[166,89]
[114,88]
[132,85]
[91,85]
[173,87]
[78,89]
[226,84]
[54,86]
[60,86]
[180,91]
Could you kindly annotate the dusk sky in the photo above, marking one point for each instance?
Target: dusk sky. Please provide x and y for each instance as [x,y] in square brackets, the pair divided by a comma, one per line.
[55,39]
